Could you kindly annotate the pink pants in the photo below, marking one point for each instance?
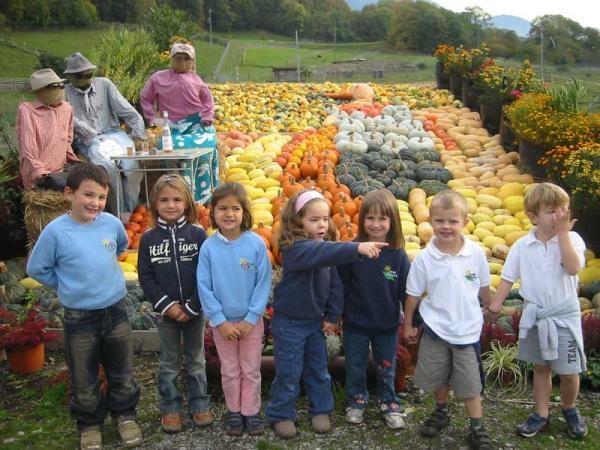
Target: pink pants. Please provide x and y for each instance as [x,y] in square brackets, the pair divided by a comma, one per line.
[240,369]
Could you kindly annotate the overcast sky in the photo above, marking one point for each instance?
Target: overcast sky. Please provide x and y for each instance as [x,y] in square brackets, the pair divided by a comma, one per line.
[586,12]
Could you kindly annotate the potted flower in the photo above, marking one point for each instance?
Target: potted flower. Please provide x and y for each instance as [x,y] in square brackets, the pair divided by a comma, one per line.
[456,66]
[577,169]
[23,338]
[442,53]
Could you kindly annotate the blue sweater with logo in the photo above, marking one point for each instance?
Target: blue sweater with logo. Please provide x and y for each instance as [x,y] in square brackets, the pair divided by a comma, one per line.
[374,290]
[310,287]
[80,261]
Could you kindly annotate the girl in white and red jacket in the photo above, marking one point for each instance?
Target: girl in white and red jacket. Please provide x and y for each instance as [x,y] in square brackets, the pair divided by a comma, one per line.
[167,263]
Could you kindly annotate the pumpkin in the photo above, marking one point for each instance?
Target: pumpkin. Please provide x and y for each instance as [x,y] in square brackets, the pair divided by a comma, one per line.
[400,188]
[432,187]
[429,171]
[364,186]
[362,91]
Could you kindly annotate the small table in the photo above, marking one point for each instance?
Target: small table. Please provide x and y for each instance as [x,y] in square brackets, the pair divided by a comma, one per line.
[188,160]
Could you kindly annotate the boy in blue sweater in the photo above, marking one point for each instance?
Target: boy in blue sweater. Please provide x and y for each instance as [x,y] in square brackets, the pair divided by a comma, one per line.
[76,254]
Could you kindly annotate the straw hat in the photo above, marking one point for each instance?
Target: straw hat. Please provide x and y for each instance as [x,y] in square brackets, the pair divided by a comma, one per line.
[42,78]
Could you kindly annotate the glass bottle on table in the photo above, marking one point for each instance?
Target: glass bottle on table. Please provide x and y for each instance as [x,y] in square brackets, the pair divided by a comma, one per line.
[166,139]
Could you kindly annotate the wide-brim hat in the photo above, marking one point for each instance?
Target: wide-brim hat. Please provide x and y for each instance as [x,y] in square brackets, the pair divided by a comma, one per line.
[77,63]
[42,78]
[180,47]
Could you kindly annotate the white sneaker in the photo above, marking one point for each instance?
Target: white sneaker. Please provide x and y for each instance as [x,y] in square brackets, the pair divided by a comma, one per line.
[354,415]
[394,420]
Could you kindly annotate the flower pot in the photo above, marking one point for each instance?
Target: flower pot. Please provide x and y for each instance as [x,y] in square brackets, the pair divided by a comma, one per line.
[27,360]
[456,82]
[441,77]
[470,95]
[490,116]
[529,154]
[508,140]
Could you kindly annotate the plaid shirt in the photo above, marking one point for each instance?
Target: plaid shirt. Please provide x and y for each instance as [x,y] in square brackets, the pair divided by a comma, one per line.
[44,134]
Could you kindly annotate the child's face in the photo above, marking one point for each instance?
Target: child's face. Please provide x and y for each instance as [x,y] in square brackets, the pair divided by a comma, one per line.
[170,204]
[87,201]
[228,216]
[545,219]
[448,223]
[377,226]
[316,219]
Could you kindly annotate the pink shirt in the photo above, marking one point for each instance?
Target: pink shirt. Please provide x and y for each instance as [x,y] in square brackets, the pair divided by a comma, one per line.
[45,135]
[180,94]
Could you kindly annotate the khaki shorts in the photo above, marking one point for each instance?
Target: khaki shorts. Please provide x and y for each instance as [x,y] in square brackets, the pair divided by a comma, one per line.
[441,363]
[569,360]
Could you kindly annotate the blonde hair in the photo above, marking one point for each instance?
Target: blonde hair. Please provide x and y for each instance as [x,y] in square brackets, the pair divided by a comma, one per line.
[236,190]
[545,194]
[174,181]
[383,202]
[448,199]
[291,222]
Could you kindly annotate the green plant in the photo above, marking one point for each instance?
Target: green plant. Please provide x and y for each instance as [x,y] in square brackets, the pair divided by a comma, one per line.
[569,98]
[165,22]
[592,374]
[128,58]
[503,369]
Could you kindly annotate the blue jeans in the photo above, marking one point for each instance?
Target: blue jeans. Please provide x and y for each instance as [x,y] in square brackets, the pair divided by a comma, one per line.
[356,351]
[94,337]
[170,333]
[300,354]
[128,182]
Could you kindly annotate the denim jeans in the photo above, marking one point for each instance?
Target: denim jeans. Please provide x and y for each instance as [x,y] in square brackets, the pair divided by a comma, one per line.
[129,182]
[170,334]
[94,337]
[300,354]
[356,350]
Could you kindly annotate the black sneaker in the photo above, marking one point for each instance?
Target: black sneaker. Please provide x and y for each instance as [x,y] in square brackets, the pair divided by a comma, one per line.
[436,422]
[234,426]
[479,439]
[534,424]
[254,424]
[575,424]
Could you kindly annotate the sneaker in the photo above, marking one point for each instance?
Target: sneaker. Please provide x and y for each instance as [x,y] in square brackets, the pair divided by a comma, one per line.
[435,423]
[320,423]
[533,425]
[203,418]
[285,429]
[171,422]
[129,431]
[90,439]
[254,424]
[355,415]
[234,426]
[392,416]
[576,426]
[479,439]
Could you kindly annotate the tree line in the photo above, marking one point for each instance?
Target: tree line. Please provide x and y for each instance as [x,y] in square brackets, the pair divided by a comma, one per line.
[404,24]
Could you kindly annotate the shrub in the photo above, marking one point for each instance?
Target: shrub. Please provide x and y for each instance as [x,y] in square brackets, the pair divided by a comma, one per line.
[165,22]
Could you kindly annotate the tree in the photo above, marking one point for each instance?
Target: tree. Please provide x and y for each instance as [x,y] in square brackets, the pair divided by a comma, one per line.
[165,22]
[478,19]
[562,38]
[373,22]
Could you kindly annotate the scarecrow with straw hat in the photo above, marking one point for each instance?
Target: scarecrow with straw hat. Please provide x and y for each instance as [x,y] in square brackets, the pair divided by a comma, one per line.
[99,110]
[189,103]
[45,132]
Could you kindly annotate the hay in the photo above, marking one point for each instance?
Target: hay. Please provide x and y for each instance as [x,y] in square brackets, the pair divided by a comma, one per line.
[41,207]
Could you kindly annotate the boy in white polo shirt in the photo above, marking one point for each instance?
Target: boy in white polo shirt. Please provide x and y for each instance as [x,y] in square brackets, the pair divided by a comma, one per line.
[449,276]
[547,261]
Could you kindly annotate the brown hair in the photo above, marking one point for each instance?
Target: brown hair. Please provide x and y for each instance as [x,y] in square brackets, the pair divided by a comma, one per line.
[174,181]
[236,190]
[448,199]
[545,194]
[291,222]
[382,202]
[87,172]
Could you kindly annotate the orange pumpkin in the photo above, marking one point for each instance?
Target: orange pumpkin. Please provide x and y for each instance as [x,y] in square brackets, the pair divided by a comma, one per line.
[293,170]
[344,202]
[340,218]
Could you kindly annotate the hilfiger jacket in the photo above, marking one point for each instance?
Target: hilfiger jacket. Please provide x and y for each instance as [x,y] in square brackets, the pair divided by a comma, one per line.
[167,263]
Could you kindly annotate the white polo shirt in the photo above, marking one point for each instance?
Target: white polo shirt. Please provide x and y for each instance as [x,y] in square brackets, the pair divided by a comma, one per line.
[544,280]
[450,285]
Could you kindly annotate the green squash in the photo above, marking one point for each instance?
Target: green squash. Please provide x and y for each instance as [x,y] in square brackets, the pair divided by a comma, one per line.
[432,187]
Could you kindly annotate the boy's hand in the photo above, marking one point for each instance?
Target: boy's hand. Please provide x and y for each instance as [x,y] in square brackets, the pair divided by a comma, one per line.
[244,327]
[410,333]
[174,311]
[183,317]
[490,315]
[563,223]
[371,249]
[229,331]
[329,328]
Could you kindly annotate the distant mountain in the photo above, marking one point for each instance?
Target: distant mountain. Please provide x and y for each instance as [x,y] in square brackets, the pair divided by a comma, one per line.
[517,24]
[357,5]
